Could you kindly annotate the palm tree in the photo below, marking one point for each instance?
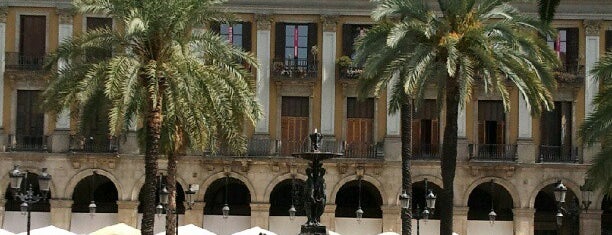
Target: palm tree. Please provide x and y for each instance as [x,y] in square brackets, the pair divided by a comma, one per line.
[547,9]
[161,69]
[597,127]
[473,43]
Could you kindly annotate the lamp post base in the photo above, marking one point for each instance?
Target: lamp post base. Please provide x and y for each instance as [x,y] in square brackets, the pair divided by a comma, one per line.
[313,230]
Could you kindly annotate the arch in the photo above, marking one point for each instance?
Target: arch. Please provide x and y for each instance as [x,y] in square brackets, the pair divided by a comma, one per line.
[606,215]
[347,200]
[285,194]
[514,194]
[418,178]
[180,195]
[97,188]
[418,196]
[487,196]
[140,182]
[227,191]
[366,178]
[211,179]
[280,179]
[570,184]
[72,183]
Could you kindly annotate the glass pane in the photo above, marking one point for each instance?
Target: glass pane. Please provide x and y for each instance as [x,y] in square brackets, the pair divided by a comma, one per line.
[224,29]
[303,30]
[289,52]
[563,35]
[302,41]
[302,53]
[289,30]
[237,29]
[237,41]
[289,41]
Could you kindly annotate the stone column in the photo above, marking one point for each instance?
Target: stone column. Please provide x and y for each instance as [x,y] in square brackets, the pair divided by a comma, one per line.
[591,86]
[393,142]
[130,144]
[329,217]
[195,215]
[328,86]
[127,212]
[260,213]
[61,213]
[263,73]
[526,149]
[2,209]
[460,220]
[590,222]
[462,142]
[391,221]
[523,221]
[3,15]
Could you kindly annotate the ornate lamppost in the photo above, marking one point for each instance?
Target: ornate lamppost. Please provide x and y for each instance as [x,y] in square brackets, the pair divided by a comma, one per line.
[430,204]
[163,199]
[28,197]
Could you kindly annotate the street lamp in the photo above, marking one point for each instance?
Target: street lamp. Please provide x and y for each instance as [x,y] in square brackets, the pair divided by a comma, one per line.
[587,192]
[292,209]
[28,197]
[92,204]
[404,200]
[560,192]
[492,213]
[225,210]
[359,211]
[430,204]
[164,200]
[193,189]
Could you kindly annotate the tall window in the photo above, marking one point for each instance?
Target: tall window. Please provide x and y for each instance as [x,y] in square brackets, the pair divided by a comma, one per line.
[425,129]
[29,129]
[237,34]
[32,40]
[359,127]
[295,41]
[608,40]
[491,122]
[556,133]
[350,32]
[566,46]
[294,124]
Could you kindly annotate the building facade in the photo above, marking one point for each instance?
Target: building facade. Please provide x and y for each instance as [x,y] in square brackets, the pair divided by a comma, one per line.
[508,161]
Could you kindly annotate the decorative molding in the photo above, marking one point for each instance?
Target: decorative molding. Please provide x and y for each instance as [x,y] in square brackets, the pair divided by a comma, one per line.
[330,23]
[592,27]
[66,15]
[3,14]
[263,21]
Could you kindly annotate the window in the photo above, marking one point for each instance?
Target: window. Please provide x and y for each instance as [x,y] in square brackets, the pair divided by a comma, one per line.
[32,40]
[359,127]
[350,32]
[29,131]
[491,122]
[556,133]
[294,124]
[237,34]
[425,130]
[566,46]
[608,40]
[295,41]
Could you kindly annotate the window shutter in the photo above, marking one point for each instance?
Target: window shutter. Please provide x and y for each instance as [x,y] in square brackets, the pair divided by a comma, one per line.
[572,49]
[279,44]
[500,138]
[481,132]
[246,36]
[312,40]
[348,32]
[435,135]
[416,136]
[33,35]
[215,27]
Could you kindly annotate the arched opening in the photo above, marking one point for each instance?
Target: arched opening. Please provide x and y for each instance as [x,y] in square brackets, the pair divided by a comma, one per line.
[546,210]
[13,203]
[490,195]
[347,200]
[418,197]
[180,196]
[97,188]
[284,194]
[238,197]
[606,215]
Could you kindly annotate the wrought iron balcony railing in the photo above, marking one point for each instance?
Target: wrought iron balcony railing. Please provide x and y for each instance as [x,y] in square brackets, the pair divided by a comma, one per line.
[492,152]
[363,150]
[563,153]
[94,144]
[37,143]
[19,61]
[351,72]
[426,152]
[291,68]
[570,73]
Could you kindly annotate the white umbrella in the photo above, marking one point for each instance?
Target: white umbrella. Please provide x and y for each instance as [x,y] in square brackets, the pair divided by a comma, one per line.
[332,233]
[117,229]
[48,230]
[191,229]
[255,231]
[389,233]
[4,232]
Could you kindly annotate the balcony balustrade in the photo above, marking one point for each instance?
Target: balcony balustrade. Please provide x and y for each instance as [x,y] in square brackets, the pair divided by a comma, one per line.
[93,144]
[493,152]
[27,143]
[290,68]
[426,152]
[19,61]
[561,154]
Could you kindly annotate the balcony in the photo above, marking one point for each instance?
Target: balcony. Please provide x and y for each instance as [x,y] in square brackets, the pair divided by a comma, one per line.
[492,152]
[294,69]
[93,144]
[354,150]
[18,61]
[570,73]
[350,72]
[255,148]
[23,143]
[363,150]
[558,154]
[426,152]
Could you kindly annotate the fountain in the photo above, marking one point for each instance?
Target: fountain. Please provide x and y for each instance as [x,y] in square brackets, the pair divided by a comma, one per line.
[314,190]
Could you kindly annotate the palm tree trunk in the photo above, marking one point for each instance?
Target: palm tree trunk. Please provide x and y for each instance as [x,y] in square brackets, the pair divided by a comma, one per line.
[406,128]
[449,158]
[154,121]
[171,186]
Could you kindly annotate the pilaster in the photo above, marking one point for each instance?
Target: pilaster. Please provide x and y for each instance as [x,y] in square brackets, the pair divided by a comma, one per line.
[263,72]
[260,214]
[195,215]
[460,219]
[127,212]
[526,149]
[590,222]
[3,16]
[329,217]
[328,86]
[61,213]
[393,142]
[391,220]
[591,86]
[523,221]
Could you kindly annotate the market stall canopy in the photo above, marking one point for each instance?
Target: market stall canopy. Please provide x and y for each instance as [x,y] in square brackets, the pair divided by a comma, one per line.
[255,231]
[4,232]
[192,230]
[332,233]
[48,230]
[117,229]
[389,233]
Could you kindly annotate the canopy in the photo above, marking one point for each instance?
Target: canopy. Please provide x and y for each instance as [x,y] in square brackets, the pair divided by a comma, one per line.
[389,233]
[4,232]
[191,229]
[117,229]
[255,231]
[48,230]
[332,233]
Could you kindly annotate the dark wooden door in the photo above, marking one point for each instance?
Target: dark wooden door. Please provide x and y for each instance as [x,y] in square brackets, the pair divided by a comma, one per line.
[30,119]
[294,124]
[32,40]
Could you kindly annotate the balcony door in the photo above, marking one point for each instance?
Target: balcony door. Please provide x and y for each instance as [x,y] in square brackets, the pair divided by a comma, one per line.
[359,127]
[29,129]
[32,40]
[295,114]
[425,130]
[556,133]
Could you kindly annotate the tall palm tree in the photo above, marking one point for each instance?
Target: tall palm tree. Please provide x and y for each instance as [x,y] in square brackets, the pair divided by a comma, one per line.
[160,69]
[598,126]
[473,43]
